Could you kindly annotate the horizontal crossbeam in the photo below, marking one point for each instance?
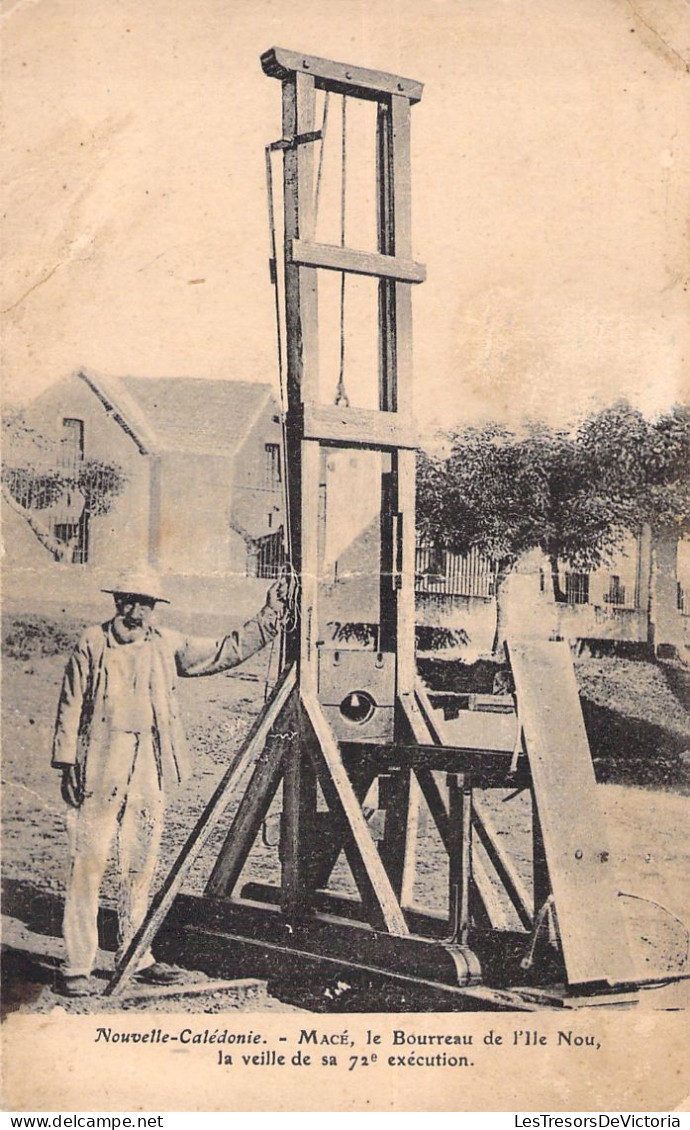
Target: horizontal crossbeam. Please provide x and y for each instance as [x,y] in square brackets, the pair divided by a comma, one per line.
[358,427]
[488,768]
[333,258]
[359,82]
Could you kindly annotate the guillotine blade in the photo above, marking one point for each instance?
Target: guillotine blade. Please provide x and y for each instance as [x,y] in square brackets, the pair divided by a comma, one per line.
[581,874]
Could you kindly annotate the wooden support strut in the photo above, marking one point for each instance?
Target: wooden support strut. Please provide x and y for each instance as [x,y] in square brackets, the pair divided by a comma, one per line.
[381,888]
[333,258]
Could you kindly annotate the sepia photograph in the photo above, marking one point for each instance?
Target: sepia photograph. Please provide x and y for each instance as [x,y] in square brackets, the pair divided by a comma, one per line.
[346,555]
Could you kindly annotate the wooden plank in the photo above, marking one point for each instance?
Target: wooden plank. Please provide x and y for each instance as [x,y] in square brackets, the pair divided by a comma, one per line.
[331,257]
[243,987]
[404,463]
[301,299]
[561,997]
[515,888]
[325,852]
[388,593]
[411,843]
[251,811]
[434,721]
[494,909]
[381,888]
[299,823]
[309,555]
[491,703]
[481,730]
[419,731]
[393,846]
[203,828]
[459,856]
[342,78]
[301,303]
[358,427]
[412,718]
[321,935]
[402,218]
[591,924]
[540,871]
[385,227]
[436,803]
[490,769]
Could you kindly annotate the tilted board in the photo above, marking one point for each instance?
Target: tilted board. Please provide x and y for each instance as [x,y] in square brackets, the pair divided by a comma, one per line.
[581,873]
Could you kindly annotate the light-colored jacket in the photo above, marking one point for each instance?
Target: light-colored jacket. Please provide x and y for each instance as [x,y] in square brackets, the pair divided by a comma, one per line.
[85,709]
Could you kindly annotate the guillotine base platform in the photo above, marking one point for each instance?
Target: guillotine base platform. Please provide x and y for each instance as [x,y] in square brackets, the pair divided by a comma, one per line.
[505,942]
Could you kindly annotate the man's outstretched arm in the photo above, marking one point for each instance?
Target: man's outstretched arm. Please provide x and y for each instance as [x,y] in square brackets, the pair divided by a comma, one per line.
[200,656]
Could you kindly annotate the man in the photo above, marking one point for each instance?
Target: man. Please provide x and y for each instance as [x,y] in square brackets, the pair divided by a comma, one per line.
[121,747]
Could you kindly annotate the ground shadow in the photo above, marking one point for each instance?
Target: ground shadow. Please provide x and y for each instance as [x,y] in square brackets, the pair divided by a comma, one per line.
[24,976]
[625,750]
[41,911]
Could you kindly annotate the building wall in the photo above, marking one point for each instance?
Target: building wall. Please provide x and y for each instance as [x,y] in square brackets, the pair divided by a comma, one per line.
[641,584]
[190,513]
[670,624]
[257,503]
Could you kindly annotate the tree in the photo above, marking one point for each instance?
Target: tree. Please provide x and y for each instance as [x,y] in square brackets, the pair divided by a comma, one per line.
[644,467]
[572,495]
[36,476]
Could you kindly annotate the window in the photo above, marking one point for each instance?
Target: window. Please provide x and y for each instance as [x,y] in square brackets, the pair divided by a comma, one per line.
[72,443]
[577,588]
[616,593]
[76,536]
[682,600]
[272,477]
[266,557]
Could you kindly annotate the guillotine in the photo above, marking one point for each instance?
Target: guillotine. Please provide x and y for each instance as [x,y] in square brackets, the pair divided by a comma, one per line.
[349,715]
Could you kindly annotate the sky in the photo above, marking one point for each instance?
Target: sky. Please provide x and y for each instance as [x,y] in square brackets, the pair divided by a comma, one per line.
[551,174]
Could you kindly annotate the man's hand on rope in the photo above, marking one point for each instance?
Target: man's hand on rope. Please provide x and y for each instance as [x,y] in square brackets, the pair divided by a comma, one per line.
[281,598]
[277,596]
[72,787]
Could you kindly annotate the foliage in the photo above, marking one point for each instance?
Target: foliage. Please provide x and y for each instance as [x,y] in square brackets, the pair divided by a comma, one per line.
[37,477]
[29,637]
[427,637]
[100,484]
[32,488]
[641,466]
[572,495]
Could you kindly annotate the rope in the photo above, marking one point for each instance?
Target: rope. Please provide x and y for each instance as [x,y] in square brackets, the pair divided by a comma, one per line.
[279,338]
[288,620]
[324,124]
[341,396]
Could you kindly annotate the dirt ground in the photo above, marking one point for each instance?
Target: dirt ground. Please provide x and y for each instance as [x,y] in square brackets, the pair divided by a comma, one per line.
[648,828]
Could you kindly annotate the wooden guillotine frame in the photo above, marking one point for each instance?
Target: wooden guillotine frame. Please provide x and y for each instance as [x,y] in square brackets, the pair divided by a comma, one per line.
[327,757]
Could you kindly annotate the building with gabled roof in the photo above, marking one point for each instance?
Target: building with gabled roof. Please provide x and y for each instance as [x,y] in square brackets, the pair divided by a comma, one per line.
[204,474]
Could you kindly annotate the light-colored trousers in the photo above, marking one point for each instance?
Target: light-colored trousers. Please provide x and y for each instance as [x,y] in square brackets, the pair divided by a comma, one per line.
[133,815]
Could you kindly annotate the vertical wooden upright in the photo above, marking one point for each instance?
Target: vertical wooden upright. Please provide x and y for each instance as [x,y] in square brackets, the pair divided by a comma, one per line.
[313,424]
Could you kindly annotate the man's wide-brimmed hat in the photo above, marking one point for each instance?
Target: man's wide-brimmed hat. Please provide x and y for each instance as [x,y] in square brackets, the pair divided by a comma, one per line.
[139,582]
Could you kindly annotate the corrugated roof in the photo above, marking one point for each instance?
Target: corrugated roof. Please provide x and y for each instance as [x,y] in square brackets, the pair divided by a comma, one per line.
[184,413]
